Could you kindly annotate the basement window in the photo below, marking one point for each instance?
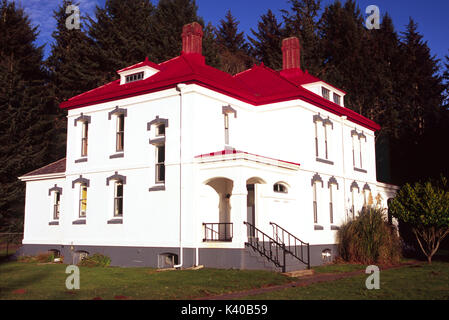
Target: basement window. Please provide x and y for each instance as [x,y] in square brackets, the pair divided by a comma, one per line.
[134,77]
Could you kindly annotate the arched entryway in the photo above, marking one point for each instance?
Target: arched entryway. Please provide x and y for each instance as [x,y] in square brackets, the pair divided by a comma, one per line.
[251,203]
[221,228]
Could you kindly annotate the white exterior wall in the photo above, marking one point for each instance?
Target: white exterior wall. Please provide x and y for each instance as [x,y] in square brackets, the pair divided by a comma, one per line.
[284,131]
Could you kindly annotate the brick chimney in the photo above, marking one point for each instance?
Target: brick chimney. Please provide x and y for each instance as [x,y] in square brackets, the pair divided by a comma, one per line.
[290,53]
[192,38]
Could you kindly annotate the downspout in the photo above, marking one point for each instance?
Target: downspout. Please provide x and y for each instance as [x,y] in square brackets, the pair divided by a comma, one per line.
[343,120]
[179,88]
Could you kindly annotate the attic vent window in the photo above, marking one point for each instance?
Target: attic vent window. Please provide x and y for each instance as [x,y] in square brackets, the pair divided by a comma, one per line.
[134,77]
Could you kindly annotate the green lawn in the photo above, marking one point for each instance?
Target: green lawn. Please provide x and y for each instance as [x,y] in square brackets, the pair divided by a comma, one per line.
[406,283]
[47,281]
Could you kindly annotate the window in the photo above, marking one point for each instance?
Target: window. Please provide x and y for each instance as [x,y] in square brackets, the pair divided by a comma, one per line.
[160,164]
[84,137]
[226,127]
[56,204]
[354,188]
[331,205]
[279,187]
[134,77]
[83,201]
[323,138]
[118,199]
[160,130]
[120,133]
[326,93]
[337,99]
[315,204]
[358,147]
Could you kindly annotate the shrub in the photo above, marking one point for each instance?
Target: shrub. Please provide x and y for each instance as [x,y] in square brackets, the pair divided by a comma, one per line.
[369,239]
[96,260]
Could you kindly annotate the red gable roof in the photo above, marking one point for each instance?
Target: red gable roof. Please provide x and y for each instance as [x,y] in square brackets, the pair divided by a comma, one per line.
[257,86]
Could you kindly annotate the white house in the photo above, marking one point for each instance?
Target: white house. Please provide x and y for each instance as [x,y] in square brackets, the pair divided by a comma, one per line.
[180,164]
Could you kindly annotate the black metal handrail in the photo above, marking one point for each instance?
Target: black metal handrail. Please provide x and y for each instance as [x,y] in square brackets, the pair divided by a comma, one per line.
[266,246]
[220,231]
[293,245]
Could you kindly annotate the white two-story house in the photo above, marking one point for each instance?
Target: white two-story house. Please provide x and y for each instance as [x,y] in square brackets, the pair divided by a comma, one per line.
[179,164]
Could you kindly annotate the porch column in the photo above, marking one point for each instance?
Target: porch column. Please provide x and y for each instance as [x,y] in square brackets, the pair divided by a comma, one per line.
[238,212]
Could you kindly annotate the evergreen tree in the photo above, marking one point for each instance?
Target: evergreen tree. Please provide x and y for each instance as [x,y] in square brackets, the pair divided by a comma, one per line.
[26,125]
[303,21]
[122,35]
[72,67]
[166,29]
[267,44]
[210,47]
[234,50]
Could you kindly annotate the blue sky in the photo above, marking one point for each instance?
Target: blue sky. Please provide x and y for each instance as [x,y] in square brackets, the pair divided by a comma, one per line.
[431,15]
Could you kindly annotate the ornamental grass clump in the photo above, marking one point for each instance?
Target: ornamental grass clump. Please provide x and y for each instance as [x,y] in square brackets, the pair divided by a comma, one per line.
[369,239]
[96,260]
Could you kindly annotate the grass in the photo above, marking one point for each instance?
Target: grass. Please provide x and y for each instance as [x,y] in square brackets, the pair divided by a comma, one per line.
[420,282]
[338,268]
[21,280]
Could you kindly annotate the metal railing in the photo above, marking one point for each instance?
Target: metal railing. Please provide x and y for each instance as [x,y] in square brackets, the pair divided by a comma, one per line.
[266,246]
[220,231]
[294,246]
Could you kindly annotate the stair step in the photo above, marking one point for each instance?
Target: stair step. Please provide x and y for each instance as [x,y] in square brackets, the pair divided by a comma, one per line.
[299,273]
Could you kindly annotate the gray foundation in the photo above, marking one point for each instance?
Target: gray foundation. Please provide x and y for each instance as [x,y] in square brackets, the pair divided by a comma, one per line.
[221,258]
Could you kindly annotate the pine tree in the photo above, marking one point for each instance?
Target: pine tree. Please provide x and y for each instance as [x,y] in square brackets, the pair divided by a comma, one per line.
[234,50]
[267,44]
[26,125]
[71,62]
[166,29]
[303,21]
[210,47]
[122,35]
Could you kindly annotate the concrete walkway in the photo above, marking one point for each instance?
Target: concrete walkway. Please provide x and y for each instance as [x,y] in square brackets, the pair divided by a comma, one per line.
[303,282]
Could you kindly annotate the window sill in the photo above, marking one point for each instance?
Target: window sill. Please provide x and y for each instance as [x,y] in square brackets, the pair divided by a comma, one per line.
[81,160]
[79,221]
[360,170]
[158,141]
[53,223]
[335,227]
[157,188]
[324,161]
[117,155]
[116,221]
[318,227]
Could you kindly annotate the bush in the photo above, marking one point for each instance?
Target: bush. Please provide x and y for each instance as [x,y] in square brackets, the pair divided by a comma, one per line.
[369,239]
[96,260]
[43,257]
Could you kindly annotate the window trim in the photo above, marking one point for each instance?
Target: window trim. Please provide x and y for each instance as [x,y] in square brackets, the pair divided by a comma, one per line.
[81,199]
[117,184]
[120,133]
[84,139]
[160,165]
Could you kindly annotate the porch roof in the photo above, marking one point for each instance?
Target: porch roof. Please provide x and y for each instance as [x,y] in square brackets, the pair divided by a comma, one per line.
[233,154]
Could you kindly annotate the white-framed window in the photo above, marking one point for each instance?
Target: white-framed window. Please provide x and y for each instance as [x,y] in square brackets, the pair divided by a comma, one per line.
[280,188]
[83,201]
[354,205]
[323,138]
[118,198]
[134,77]
[326,93]
[337,98]
[56,204]
[226,128]
[315,203]
[160,130]
[160,163]
[120,133]
[331,203]
[84,138]
[358,149]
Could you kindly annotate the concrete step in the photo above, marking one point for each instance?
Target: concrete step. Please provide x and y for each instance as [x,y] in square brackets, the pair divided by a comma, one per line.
[299,273]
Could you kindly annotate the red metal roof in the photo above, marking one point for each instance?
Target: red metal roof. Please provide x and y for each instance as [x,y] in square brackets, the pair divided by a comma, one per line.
[55,167]
[259,85]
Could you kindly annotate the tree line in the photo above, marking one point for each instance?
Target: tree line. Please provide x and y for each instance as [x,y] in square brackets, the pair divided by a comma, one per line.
[391,77]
